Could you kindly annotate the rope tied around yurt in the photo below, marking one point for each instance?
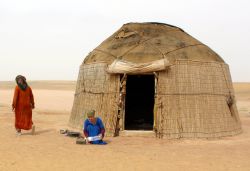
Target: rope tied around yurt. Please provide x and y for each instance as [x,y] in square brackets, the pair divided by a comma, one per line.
[157,49]
[183,48]
[108,53]
[230,99]
[91,92]
[193,94]
[137,44]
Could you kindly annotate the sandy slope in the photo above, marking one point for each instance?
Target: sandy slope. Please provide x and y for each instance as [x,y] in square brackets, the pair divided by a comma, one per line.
[48,150]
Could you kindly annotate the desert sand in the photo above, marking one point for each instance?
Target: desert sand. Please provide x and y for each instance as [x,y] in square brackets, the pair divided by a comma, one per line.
[49,150]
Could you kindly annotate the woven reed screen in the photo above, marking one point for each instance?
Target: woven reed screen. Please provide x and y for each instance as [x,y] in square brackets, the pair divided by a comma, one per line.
[96,90]
[192,101]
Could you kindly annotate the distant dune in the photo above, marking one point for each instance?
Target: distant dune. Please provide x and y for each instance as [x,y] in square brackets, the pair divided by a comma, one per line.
[47,85]
[242,90]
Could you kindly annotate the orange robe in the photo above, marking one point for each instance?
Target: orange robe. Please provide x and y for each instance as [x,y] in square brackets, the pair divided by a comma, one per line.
[23,102]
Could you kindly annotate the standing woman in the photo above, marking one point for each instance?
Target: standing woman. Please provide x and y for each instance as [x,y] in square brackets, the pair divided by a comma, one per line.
[23,103]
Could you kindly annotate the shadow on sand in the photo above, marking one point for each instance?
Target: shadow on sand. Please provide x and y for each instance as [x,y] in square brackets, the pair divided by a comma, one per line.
[39,132]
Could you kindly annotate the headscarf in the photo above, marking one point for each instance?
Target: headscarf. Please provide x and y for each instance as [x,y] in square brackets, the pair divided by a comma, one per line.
[91,113]
[24,85]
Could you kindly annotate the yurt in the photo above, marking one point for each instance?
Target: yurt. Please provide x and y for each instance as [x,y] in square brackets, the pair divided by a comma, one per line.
[156,77]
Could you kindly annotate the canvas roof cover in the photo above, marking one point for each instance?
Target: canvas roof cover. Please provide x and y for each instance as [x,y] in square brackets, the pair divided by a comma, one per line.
[122,66]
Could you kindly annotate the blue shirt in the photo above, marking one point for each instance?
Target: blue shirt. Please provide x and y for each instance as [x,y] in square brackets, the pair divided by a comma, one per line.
[93,129]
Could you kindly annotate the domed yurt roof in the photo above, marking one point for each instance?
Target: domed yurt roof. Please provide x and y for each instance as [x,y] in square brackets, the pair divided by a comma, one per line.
[147,42]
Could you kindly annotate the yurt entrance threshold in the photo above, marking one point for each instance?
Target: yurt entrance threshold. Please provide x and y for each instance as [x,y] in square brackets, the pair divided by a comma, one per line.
[139,102]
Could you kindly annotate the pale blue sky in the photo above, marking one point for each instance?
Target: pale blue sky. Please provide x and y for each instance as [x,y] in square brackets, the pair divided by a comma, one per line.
[48,39]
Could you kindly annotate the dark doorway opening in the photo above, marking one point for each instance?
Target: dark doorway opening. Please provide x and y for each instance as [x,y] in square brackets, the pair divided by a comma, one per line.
[139,104]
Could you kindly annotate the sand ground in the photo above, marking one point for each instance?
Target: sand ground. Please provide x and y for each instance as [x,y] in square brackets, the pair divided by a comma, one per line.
[49,150]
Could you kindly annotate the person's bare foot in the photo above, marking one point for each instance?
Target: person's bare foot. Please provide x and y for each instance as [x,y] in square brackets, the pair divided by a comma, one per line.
[18,132]
[33,130]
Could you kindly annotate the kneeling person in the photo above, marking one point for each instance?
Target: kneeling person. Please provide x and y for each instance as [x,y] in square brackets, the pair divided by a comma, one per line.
[93,129]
